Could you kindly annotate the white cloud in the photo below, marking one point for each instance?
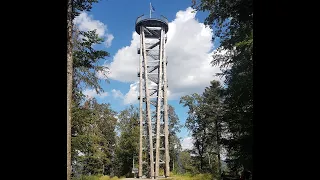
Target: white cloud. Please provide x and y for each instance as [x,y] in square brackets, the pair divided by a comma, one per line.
[117,93]
[187,143]
[86,23]
[189,49]
[90,93]
[132,96]
[109,39]
[125,63]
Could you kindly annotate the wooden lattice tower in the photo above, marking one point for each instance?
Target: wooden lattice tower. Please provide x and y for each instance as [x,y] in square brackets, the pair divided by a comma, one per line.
[153,96]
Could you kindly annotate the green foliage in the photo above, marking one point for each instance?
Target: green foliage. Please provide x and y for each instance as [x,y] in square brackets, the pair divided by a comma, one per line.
[231,19]
[205,122]
[174,141]
[89,134]
[174,126]
[85,57]
[93,125]
[86,62]
[93,138]
[198,127]
[188,163]
[82,5]
[232,22]
[128,143]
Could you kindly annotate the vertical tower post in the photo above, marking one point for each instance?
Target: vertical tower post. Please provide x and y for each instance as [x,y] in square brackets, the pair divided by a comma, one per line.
[165,109]
[148,104]
[141,108]
[159,101]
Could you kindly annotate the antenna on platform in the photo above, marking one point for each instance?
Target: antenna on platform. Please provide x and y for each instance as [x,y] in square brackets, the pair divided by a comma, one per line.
[152,9]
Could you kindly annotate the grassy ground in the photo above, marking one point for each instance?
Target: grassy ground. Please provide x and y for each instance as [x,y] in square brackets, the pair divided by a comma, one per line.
[173,177]
[182,177]
[191,177]
[96,178]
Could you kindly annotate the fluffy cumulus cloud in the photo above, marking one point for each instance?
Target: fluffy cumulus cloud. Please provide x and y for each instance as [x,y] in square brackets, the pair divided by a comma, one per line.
[189,50]
[109,39]
[90,93]
[125,63]
[132,96]
[117,93]
[86,23]
[187,143]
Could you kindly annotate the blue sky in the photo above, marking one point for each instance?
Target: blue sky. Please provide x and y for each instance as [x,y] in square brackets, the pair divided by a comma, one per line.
[189,49]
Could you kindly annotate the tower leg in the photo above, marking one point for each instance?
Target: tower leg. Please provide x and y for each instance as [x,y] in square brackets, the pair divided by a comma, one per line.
[148,104]
[159,104]
[165,109]
[140,105]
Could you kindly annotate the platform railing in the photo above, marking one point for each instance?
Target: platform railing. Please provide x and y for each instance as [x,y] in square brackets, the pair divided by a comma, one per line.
[142,17]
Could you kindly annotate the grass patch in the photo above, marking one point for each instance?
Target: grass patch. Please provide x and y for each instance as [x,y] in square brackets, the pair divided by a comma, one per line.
[191,177]
[186,176]
[96,178]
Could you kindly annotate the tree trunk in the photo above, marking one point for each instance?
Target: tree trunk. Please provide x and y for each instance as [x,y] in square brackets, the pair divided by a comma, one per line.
[201,164]
[69,85]
[218,149]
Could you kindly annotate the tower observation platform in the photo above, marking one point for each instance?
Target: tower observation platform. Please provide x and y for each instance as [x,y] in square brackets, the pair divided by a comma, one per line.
[143,21]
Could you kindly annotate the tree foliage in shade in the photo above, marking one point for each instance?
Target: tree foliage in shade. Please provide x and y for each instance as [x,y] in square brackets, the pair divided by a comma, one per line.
[74,7]
[232,22]
[197,126]
[188,163]
[85,57]
[85,67]
[128,141]
[82,5]
[93,138]
[127,146]
[174,141]
[204,122]
[212,109]
[86,62]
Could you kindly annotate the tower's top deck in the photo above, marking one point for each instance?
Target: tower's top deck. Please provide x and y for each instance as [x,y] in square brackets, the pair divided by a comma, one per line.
[151,22]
